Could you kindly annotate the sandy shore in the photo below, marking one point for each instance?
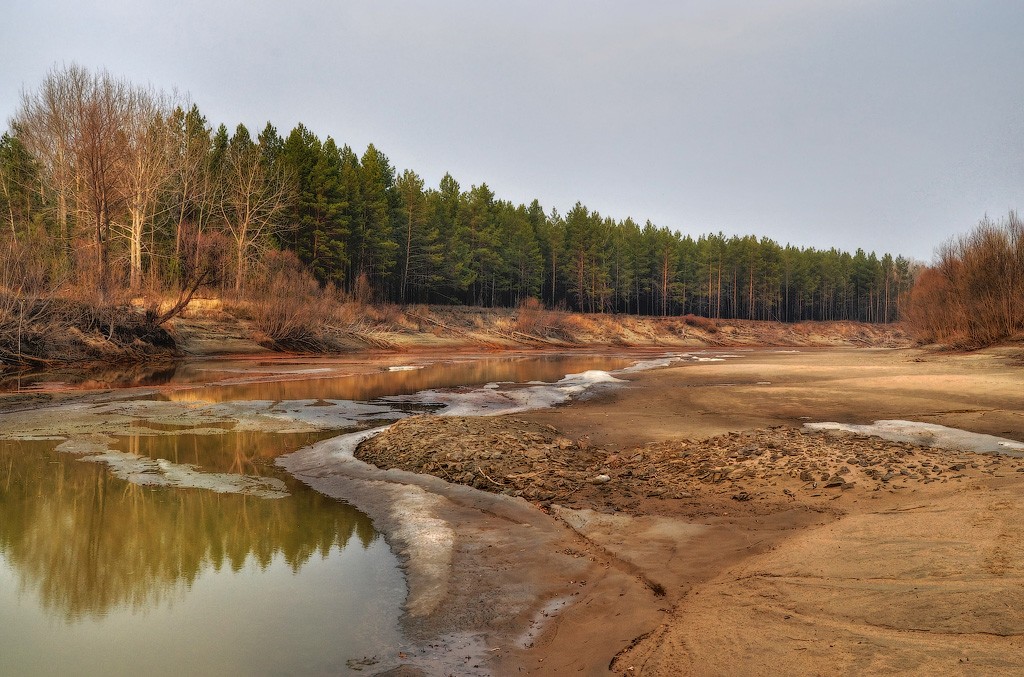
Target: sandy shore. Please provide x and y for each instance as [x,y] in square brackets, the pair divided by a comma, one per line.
[691,526]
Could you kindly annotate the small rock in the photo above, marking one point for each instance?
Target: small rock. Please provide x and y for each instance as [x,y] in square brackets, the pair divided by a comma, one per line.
[600,479]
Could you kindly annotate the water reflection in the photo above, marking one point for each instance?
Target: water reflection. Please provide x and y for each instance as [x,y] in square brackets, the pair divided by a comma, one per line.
[369,386]
[86,543]
[98,378]
[207,582]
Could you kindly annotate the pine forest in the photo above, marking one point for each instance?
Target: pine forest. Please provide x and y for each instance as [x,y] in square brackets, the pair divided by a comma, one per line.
[118,187]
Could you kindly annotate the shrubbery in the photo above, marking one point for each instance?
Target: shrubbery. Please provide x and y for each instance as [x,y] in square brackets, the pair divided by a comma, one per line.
[974,295]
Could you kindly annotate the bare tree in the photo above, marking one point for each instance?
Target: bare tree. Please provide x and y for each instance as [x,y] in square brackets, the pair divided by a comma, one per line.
[74,124]
[46,127]
[146,170]
[194,181]
[256,196]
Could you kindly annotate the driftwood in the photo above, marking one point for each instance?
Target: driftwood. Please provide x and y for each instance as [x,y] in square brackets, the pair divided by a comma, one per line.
[184,299]
[366,337]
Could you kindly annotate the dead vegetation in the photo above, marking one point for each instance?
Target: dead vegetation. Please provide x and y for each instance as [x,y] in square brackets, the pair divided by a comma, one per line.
[46,317]
[974,295]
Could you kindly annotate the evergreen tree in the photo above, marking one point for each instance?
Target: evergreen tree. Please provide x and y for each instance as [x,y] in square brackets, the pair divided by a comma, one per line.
[20,201]
[377,253]
[477,215]
[318,212]
[419,256]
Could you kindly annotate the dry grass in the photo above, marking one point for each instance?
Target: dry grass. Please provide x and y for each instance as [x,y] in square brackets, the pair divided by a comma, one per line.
[47,315]
[706,324]
[289,307]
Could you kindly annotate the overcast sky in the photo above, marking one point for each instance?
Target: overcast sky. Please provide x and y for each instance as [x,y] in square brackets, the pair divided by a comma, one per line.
[883,124]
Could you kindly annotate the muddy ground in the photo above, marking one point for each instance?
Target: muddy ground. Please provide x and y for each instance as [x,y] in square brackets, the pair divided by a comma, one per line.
[709,533]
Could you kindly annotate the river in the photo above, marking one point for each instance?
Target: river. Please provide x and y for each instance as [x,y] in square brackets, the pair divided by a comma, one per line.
[145,527]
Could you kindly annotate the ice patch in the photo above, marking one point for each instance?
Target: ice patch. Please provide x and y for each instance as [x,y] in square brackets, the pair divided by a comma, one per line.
[426,540]
[645,365]
[416,534]
[281,416]
[929,435]
[95,444]
[149,472]
[671,359]
[335,414]
[343,447]
[486,401]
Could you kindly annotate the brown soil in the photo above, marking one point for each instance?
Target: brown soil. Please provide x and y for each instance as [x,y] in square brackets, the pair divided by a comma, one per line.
[762,548]
[774,467]
[206,328]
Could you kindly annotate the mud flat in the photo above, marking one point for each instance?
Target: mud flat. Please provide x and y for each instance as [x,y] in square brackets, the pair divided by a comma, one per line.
[690,523]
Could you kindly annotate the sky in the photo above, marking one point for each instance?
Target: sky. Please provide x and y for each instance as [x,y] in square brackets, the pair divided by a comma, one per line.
[887,125]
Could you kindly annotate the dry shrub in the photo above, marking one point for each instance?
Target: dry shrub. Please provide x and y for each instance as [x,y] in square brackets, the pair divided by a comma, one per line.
[289,306]
[576,325]
[39,314]
[24,300]
[532,317]
[362,290]
[974,295]
[397,317]
[700,322]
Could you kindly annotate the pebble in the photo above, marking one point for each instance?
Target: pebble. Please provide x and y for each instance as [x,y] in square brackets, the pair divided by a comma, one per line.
[540,464]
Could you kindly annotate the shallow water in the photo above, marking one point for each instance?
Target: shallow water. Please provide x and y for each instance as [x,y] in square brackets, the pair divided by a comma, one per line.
[156,535]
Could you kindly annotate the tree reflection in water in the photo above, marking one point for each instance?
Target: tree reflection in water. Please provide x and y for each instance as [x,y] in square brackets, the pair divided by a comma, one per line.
[86,542]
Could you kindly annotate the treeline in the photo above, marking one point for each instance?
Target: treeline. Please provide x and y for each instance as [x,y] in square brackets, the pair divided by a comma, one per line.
[118,187]
[974,294]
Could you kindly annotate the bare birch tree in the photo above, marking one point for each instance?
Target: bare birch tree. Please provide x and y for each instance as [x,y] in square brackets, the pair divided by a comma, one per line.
[146,171]
[75,125]
[255,199]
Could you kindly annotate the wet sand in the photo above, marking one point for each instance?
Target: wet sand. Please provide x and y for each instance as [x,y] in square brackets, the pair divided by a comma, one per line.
[767,570]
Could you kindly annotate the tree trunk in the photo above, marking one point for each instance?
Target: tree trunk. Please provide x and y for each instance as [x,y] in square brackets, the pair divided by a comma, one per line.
[135,248]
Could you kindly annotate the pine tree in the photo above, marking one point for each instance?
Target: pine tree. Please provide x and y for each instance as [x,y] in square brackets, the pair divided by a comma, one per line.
[419,256]
[318,213]
[446,218]
[478,217]
[377,253]
[20,201]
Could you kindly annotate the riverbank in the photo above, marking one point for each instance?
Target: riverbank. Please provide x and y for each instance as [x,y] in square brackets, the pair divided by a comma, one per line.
[211,327]
[719,536]
[412,328]
[676,517]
